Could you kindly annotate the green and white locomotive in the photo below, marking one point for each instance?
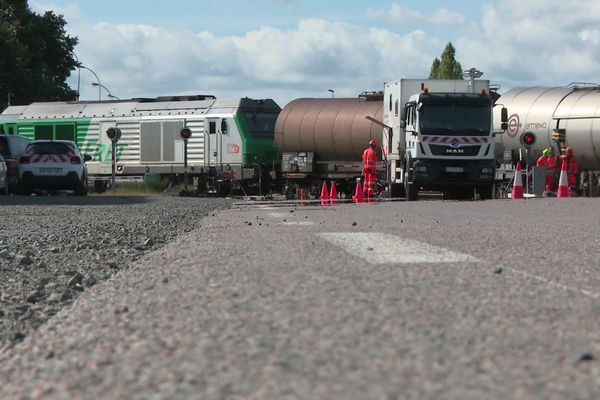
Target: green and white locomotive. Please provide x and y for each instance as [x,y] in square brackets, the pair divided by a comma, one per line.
[231,145]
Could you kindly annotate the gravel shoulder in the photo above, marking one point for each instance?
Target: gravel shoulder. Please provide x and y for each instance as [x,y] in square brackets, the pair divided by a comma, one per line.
[52,249]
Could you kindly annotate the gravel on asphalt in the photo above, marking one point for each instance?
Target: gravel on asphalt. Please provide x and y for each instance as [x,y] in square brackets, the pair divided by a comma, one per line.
[54,248]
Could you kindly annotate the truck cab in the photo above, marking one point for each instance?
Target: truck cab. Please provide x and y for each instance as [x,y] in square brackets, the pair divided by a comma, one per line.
[439,137]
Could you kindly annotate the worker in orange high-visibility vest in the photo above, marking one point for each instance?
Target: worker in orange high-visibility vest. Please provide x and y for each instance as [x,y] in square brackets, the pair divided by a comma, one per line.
[369,158]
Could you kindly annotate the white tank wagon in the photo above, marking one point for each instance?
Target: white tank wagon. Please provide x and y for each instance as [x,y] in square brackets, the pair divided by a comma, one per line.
[232,140]
[542,110]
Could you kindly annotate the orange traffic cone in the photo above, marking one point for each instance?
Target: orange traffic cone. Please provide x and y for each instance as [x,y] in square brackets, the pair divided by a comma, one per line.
[517,190]
[358,193]
[563,181]
[333,194]
[324,195]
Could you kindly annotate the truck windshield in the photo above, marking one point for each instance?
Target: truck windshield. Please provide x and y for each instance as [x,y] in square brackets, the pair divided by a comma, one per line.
[455,120]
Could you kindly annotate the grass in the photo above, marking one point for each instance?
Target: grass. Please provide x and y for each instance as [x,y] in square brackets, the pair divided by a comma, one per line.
[151,186]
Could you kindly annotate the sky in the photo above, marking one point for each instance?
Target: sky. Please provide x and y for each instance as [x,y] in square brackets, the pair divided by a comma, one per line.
[287,49]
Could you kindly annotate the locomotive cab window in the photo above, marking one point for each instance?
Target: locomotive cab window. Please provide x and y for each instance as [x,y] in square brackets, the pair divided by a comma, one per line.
[212,127]
[262,124]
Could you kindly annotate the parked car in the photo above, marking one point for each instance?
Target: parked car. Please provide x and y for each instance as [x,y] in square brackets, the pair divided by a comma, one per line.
[3,179]
[53,165]
[12,148]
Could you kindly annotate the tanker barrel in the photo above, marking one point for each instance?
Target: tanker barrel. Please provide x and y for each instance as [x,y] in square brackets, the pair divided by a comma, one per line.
[332,128]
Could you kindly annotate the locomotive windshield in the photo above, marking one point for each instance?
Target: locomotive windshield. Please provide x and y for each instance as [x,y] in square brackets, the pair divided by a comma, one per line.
[455,115]
[262,124]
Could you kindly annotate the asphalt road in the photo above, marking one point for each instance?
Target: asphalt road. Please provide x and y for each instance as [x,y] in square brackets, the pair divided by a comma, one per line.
[425,300]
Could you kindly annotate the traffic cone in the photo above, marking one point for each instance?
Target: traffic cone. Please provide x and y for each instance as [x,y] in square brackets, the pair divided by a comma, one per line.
[517,190]
[358,193]
[333,194]
[563,181]
[324,194]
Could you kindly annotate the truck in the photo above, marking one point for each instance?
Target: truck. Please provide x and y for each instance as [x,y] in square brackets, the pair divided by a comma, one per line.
[438,136]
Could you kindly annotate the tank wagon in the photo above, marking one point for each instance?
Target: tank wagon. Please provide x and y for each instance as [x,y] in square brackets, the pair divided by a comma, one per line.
[231,144]
[323,139]
[573,110]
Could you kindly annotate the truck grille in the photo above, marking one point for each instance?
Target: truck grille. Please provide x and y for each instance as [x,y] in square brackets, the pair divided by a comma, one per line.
[449,150]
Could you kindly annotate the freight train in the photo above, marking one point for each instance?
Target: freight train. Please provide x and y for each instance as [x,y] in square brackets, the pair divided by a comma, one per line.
[231,146]
[252,146]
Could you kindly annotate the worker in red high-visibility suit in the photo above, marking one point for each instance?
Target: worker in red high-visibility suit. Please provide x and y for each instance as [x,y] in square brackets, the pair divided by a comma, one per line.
[572,168]
[369,158]
[548,161]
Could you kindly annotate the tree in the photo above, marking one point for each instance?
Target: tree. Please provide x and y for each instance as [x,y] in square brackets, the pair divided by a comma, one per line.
[446,67]
[36,55]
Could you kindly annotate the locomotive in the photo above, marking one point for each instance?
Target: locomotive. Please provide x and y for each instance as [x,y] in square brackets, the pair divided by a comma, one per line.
[231,145]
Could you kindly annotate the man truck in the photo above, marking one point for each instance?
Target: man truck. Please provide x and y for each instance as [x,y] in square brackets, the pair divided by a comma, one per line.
[439,136]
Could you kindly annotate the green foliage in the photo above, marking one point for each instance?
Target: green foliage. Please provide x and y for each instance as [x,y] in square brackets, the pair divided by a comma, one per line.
[446,67]
[154,183]
[35,55]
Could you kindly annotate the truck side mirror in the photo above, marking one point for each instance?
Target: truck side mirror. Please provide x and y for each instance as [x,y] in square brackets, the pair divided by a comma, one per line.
[402,124]
[403,114]
[504,118]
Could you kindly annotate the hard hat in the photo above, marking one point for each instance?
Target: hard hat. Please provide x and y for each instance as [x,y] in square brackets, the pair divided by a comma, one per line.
[547,151]
[569,151]
[372,142]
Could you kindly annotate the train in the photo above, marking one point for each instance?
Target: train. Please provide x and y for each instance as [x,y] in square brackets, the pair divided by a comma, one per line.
[253,146]
[231,145]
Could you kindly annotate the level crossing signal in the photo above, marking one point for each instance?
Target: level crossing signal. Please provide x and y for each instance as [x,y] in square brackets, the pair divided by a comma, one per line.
[185,133]
[528,139]
[114,134]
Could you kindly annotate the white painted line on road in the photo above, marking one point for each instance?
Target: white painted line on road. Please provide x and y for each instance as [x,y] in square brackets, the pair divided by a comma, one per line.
[383,248]
[263,207]
[277,215]
[550,282]
[297,223]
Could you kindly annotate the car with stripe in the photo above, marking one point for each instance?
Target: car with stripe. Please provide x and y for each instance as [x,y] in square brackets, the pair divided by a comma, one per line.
[53,165]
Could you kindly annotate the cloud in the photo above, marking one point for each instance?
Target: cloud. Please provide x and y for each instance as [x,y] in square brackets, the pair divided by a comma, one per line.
[71,12]
[537,42]
[408,17]
[316,55]
[514,43]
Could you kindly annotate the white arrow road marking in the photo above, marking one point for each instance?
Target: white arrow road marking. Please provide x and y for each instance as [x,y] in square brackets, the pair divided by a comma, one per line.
[383,248]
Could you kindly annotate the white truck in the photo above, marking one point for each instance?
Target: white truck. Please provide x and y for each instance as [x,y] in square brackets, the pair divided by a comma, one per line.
[439,136]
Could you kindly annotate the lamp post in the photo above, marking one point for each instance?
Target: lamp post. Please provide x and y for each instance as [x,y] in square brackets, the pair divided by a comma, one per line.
[98,79]
[78,73]
[105,88]
[332,92]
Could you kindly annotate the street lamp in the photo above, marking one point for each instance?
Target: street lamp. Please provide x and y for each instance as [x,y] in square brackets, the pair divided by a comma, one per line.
[332,91]
[78,73]
[105,88]
[98,79]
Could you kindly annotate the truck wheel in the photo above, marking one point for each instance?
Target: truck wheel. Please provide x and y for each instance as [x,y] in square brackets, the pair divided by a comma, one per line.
[486,192]
[410,189]
[396,190]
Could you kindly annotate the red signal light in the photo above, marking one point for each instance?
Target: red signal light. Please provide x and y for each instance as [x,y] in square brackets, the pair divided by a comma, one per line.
[186,133]
[528,138]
